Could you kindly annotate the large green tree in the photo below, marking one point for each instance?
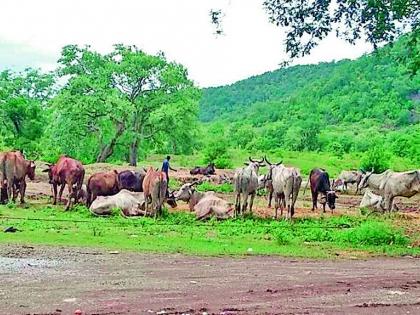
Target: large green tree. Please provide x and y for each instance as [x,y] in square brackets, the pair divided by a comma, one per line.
[126,96]
[23,99]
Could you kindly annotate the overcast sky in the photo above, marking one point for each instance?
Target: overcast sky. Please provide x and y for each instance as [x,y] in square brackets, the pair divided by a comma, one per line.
[32,33]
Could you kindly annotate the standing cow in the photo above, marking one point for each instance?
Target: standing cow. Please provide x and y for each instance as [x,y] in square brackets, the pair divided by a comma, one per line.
[132,181]
[102,184]
[155,186]
[286,182]
[391,184]
[245,183]
[13,171]
[320,183]
[66,171]
[348,177]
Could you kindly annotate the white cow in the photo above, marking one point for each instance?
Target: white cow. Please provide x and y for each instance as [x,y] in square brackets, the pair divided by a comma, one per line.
[130,203]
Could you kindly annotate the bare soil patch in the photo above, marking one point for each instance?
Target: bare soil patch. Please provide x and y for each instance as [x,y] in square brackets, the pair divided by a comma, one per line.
[53,280]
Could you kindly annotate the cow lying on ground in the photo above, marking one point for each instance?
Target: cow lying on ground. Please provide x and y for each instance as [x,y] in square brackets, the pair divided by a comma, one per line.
[205,205]
[66,171]
[209,170]
[13,171]
[371,200]
[320,183]
[130,204]
[390,184]
[102,184]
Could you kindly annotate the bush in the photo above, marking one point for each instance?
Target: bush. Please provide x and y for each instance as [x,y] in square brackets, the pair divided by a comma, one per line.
[377,159]
[223,188]
[284,237]
[216,152]
[374,233]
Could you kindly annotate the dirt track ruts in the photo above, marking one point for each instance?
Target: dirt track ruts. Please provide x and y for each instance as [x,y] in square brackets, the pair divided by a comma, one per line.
[57,280]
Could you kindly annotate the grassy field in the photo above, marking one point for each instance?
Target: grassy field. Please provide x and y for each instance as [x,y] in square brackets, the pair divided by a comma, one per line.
[337,236]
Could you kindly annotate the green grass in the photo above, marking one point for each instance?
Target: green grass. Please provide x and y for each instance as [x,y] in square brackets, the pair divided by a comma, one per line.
[180,232]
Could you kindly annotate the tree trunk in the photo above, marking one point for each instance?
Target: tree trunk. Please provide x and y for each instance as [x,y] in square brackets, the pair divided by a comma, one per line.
[108,149]
[133,152]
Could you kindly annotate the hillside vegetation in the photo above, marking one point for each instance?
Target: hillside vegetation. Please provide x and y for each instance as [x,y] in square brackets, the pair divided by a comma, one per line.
[369,104]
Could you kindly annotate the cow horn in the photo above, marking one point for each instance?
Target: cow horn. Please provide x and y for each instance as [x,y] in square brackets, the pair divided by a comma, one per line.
[268,162]
[279,163]
[372,170]
[251,160]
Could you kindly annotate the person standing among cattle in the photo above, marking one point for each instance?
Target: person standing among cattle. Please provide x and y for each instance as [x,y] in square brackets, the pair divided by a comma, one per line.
[166,167]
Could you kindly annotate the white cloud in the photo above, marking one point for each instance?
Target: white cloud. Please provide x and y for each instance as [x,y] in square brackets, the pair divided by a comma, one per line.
[181,29]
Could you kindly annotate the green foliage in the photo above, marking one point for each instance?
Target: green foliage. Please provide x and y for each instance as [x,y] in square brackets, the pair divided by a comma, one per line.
[207,186]
[375,233]
[217,152]
[338,107]
[377,159]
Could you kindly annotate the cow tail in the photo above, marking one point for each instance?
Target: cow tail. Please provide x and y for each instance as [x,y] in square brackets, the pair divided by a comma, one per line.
[292,198]
[89,194]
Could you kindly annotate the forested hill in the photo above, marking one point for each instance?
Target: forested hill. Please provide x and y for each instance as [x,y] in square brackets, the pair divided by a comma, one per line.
[340,106]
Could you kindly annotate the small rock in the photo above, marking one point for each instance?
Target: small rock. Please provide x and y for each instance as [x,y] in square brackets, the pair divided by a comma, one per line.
[70,300]
[114,252]
[193,282]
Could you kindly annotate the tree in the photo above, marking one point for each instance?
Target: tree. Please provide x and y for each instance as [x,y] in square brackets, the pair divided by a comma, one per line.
[23,99]
[307,22]
[119,95]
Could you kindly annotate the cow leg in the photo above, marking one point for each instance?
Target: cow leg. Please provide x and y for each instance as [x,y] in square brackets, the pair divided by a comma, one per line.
[270,197]
[10,189]
[22,189]
[251,202]
[245,203]
[237,204]
[60,194]
[15,191]
[276,204]
[54,186]
[314,200]
[388,202]
[69,201]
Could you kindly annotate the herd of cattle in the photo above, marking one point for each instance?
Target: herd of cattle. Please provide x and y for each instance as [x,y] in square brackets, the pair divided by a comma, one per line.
[145,191]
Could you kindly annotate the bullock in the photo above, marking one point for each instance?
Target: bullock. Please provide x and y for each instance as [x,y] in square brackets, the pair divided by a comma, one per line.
[286,182]
[155,188]
[13,171]
[209,170]
[348,177]
[245,183]
[391,184]
[102,184]
[132,181]
[129,203]
[320,183]
[205,205]
[66,171]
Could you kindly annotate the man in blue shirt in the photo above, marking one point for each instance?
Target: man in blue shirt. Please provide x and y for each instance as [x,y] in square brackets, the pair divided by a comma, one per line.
[166,167]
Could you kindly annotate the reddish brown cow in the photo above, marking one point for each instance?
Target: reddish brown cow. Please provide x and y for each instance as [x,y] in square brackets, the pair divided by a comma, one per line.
[102,184]
[155,185]
[66,171]
[13,171]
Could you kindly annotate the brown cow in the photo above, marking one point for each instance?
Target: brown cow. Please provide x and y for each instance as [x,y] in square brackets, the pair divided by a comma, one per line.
[13,171]
[66,171]
[102,184]
[155,185]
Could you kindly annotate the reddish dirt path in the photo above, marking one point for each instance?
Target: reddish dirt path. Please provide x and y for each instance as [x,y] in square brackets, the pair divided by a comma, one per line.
[53,280]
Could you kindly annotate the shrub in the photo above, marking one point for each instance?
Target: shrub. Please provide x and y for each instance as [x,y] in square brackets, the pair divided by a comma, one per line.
[374,233]
[223,188]
[284,237]
[377,159]
[216,152]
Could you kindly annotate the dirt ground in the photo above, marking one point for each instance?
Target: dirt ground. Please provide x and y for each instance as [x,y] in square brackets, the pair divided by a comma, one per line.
[53,280]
